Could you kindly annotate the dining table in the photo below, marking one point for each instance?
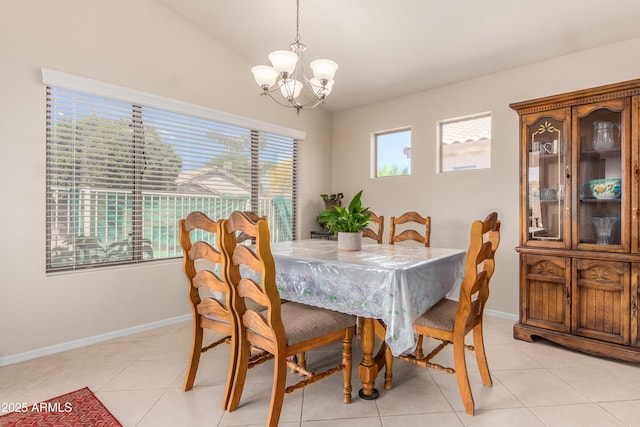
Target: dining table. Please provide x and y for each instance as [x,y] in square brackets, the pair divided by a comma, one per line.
[392,284]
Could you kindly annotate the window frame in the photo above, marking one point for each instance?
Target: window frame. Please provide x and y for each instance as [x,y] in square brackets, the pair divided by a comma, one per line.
[375,150]
[440,167]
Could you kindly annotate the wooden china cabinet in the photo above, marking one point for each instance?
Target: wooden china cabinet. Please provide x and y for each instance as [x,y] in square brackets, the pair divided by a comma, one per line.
[580,220]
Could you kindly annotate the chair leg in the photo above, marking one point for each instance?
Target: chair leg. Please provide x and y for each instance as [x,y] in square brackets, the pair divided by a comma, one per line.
[301,360]
[388,368]
[481,356]
[277,390]
[460,365]
[419,353]
[194,360]
[347,361]
[231,374]
[239,374]
[381,331]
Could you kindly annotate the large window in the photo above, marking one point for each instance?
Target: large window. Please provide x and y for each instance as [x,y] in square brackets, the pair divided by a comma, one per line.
[465,143]
[121,174]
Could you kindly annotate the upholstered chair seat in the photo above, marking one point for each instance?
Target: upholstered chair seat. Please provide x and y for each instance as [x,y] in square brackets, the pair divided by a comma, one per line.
[304,322]
[440,316]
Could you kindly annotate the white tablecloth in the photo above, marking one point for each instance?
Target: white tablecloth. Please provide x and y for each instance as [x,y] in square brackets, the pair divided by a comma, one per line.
[395,283]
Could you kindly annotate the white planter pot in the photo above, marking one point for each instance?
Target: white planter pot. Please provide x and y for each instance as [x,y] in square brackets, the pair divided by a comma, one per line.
[350,241]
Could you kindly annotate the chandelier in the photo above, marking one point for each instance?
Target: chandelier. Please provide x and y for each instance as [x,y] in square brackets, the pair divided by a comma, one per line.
[287,76]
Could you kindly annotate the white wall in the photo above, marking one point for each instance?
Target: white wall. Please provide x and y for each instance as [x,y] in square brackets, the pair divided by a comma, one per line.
[454,199]
[142,45]
[132,43]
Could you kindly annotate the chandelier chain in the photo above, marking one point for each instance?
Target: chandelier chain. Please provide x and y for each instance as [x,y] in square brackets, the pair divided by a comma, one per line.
[297,21]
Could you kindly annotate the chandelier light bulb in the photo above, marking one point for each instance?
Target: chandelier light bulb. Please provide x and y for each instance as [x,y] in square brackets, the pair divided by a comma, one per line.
[291,89]
[265,76]
[283,61]
[324,69]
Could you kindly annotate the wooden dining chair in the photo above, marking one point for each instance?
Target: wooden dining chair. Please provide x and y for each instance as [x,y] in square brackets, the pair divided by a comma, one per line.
[283,330]
[378,222]
[379,325]
[202,262]
[241,238]
[209,295]
[396,235]
[423,236]
[450,321]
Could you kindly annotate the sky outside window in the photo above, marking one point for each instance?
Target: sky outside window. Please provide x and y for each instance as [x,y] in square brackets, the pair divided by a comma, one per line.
[393,153]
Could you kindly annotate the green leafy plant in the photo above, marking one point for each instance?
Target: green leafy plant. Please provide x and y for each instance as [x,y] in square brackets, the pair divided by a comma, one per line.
[350,219]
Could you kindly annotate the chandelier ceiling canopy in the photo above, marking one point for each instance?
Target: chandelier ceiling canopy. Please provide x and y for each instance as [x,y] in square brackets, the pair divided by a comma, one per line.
[287,76]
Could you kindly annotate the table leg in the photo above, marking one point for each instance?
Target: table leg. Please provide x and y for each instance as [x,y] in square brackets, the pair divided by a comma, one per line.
[368,369]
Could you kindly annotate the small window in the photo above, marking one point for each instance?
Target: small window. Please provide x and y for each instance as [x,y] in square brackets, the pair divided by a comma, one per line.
[465,143]
[393,153]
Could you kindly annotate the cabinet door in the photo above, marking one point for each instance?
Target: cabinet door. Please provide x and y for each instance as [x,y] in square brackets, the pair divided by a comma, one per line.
[601,133]
[600,302]
[544,292]
[545,179]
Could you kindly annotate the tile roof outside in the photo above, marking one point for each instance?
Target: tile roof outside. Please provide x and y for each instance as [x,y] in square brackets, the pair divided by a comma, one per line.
[473,129]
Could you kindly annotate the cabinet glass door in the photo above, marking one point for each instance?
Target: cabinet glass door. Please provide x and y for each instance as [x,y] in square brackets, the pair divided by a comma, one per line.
[601,133]
[546,136]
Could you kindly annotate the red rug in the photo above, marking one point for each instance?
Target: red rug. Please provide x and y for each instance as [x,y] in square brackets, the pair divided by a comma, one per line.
[78,408]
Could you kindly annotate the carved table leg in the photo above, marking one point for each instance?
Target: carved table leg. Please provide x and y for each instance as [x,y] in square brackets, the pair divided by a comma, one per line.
[368,369]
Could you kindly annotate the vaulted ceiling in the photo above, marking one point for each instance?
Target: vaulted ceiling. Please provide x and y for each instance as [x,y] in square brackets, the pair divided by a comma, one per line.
[390,48]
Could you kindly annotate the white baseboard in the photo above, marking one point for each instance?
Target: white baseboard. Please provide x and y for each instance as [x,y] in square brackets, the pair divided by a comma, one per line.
[501,314]
[58,348]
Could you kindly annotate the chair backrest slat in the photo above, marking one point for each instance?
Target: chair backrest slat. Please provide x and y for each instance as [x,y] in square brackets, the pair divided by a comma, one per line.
[370,233]
[208,279]
[410,234]
[247,288]
[212,307]
[253,321]
[246,256]
[203,250]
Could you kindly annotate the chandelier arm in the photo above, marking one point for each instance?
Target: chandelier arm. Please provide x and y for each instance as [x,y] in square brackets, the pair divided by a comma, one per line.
[311,103]
[278,100]
[293,104]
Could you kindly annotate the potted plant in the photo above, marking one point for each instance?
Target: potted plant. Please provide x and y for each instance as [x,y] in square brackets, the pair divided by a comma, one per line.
[347,222]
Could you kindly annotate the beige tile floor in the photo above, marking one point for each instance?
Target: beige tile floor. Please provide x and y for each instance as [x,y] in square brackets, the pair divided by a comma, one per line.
[139,379]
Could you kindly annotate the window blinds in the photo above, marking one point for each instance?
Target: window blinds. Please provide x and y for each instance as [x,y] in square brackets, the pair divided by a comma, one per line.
[120,176]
